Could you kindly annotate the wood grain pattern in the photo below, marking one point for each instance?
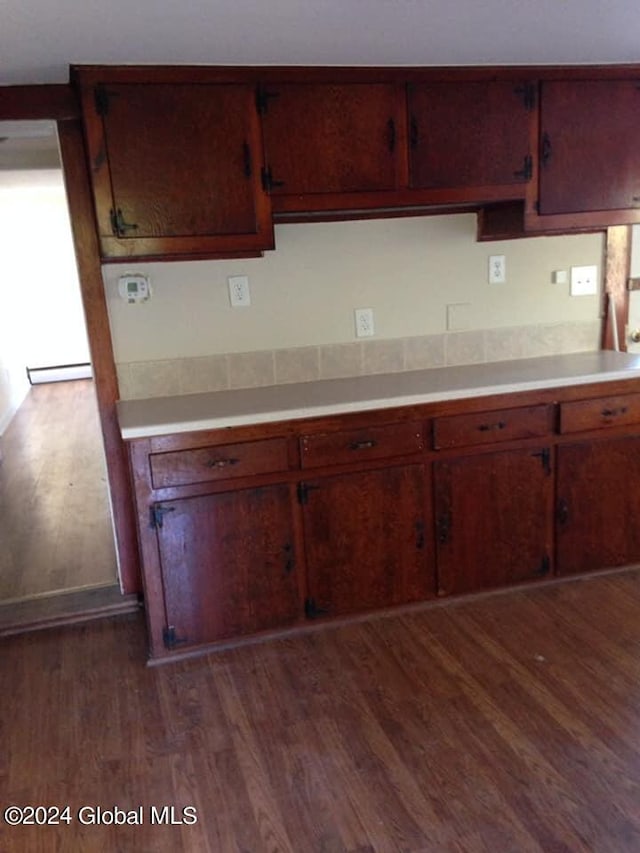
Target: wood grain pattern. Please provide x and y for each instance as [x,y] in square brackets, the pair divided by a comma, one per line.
[491,426]
[83,226]
[616,276]
[221,462]
[181,166]
[494,519]
[469,134]
[503,724]
[368,540]
[607,412]
[228,564]
[55,520]
[334,138]
[589,159]
[335,448]
[598,505]
[32,103]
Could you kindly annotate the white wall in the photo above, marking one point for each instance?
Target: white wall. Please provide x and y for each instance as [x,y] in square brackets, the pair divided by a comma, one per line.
[41,317]
[304,293]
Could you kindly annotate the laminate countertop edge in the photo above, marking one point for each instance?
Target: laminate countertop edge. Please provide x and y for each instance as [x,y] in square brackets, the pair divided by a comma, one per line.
[145,418]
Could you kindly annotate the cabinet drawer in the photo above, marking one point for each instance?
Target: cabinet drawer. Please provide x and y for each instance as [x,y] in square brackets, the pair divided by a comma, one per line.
[205,464]
[489,427]
[600,414]
[353,445]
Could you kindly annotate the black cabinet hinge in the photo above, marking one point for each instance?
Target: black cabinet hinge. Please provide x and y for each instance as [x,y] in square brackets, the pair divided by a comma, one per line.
[527,169]
[289,558]
[311,609]
[158,513]
[101,97]
[544,567]
[545,458]
[171,639]
[528,94]
[444,528]
[118,225]
[562,512]
[303,492]
[263,96]
[268,181]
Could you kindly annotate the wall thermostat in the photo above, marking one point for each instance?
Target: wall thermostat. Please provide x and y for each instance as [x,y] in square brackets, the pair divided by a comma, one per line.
[134,287]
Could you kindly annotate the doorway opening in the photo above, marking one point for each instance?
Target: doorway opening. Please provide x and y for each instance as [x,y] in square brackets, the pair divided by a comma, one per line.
[55,518]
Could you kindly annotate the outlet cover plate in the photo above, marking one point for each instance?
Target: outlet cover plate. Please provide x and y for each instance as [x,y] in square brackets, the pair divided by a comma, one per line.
[365,327]
[497,269]
[239,292]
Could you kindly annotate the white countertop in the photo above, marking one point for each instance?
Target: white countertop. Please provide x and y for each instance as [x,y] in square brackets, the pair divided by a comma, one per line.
[184,413]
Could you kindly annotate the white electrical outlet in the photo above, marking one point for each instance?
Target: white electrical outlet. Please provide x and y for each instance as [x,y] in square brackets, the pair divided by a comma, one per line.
[364,322]
[584,281]
[497,269]
[239,293]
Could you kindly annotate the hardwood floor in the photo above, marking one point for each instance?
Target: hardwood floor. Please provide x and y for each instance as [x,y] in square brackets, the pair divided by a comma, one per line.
[506,724]
[55,523]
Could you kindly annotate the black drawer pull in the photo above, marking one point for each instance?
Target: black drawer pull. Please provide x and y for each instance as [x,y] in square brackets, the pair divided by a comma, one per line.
[488,427]
[222,463]
[362,445]
[611,413]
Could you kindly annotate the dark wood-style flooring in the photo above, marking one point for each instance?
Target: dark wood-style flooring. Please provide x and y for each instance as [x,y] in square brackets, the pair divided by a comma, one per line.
[55,521]
[506,724]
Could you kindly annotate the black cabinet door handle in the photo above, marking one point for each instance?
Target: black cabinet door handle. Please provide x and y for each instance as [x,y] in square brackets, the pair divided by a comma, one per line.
[362,445]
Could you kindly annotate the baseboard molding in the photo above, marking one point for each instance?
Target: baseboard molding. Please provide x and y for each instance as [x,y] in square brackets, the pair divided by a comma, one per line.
[59,373]
[67,608]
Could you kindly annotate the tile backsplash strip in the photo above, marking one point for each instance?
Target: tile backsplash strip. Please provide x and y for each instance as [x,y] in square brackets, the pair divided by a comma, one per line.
[168,377]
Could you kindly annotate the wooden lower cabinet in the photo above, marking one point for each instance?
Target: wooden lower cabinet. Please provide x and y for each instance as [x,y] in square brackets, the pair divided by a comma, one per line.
[598,505]
[367,544]
[228,564]
[272,528]
[494,519]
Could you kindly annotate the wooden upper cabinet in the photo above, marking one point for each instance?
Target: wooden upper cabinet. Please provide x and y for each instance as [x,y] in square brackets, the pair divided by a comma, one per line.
[471,134]
[589,152]
[332,138]
[176,169]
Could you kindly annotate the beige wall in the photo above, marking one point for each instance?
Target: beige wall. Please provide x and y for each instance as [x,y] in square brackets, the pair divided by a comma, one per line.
[304,293]
[41,317]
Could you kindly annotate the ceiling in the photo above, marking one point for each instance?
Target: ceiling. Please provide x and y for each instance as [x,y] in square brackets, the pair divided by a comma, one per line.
[40,38]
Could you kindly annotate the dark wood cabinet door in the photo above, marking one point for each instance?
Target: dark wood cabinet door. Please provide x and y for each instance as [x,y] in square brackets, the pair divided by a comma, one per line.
[367,544]
[176,167]
[228,564]
[589,153]
[598,505]
[331,138]
[494,515]
[470,134]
